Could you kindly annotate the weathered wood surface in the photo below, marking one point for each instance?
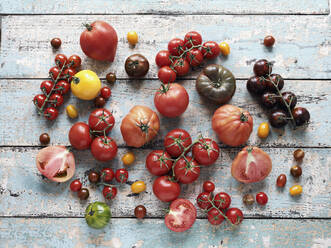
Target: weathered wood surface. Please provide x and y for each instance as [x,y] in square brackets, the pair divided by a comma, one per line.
[131,233]
[164,7]
[302,47]
[21,125]
[25,193]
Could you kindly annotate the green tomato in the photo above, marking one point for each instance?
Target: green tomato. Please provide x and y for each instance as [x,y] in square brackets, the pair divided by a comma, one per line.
[97,215]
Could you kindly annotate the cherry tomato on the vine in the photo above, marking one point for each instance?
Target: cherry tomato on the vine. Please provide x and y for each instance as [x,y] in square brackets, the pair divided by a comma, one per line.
[107,175]
[176,141]
[103,148]
[75,61]
[208,186]
[235,215]
[121,175]
[56,100]
[62,87]
[187,170]
[158,162]
[194,57]
[75,185]
[54,72]
[163,58]
[204,200]
[51,113]
[166,74]
[181,66]
[46,86]
[261,198]
[105,92]
[215,217]
[39,100]
[69,73]
[60,60]
[210,49]
[192,37]
[222,200]
[206,151]
[176,46]
[109,193]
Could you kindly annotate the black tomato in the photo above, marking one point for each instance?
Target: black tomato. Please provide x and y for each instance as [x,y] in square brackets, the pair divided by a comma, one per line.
[111,77]
[83,193]
[296,171]
[44,138]
[272,80]
[290,99]
[140,211]
[56,43]
[136,65]
[99,101]
[269,41]
[93,177]
[301,116]
[248,199]
[278,118]
[269,100]
[256,85]
[262,67]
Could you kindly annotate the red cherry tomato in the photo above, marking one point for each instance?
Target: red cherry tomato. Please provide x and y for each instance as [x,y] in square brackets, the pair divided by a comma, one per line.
[75,185]
[194,57]
[109,193]
[75,61]
[262,198]
[187,170]
[79,136]
[222,200]
[210,49]
[181,66]
[215,217]
[39,100]
[54,72]
[166,75]
[56,100]
[103,148]
[163,58]
[206,151]
[46,86]
[204,200]
[121,175]
[208,186]
[62,87]
[51,113]
[105,92]
[101,119]
[60,60]
[235,215]
[176,141]
[158,162]
[69,73]
[165,189]
[107,175]
[192,37]
[176,46]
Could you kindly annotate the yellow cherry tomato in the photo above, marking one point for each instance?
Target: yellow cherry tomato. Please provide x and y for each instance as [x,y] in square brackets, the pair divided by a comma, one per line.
[138,187]
[86,85]
[225,48]
[128,158]
[132,37]
[71,111]
[296,190]
[263,130]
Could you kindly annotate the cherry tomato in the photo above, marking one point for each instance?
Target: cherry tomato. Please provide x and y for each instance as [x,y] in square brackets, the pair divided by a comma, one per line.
[128,158]
[39,100]
[158,162]
[248,199]
[56,43]
[269,41]
[208,186]
[165,189]
[215,217]
[105,92]
[103,148]
[281,180]
[263,130]
[54,72]
[46,86]
[163,58]
[261,198]
[235,215]
[44,138]
[121,175]
[176,46]
[99,101]
[69,73]
[107,175]
[109,193]
[222,200]
[62,87]
[93,177]
[187,170]
[138,187]
[75,185]
[132,38]
[72,111]
[74,61]
[194,57]
[225,48]
[140,211]
[101,119]
[79,136]
[83,193]
[111,77]
[51,113]
[176,141]
[56,100]
[206,151]
[295,190]
[181,66]
[192,37]
[60,60]
[166,75]
[210,49]
[298,154]
[204,200]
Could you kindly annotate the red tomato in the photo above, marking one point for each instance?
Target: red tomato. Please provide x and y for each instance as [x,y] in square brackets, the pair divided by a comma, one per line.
[204,200]
[210,49]
[121,175]
[51,113]
[158,162]
[54,72]
[74,61]
[62,87]
[176,46]
[235,215]
[181,66]
[109,193]
[79,136]
[103,148]
[99,41]
[39,100]
[105,92]
[208,186]
[166,75]
[251,165]
[165,189]
[75,185]
[232,125]
[176,141]
[171,100]
[215,217]
[262,198]
[194,57]
[46,86]
[163,58]
[60,60]
[69,73]
[206,151]
[56,163]
[107,175]
[181,216]
[56,100]
[101,119]
[192,37]
[187,170]
[222,200]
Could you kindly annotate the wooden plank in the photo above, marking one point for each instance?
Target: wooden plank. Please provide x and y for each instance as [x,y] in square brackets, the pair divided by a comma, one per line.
[25,193]
[20,115]
[164,7]
[132,233]
[302,48]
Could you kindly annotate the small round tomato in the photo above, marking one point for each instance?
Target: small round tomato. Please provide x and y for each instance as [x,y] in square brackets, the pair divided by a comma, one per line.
[263,130]
[69,73]
[210,49]
[105,92]
[54,72]
[46,86]
[111,78]
[163,58]
[128,158]
[60,60]
[101,119]
[176,141]
[235,215]
[194,57]
[166,75]
[72,112]
[56,43]
[222,200]
[79,136]
[132,37]
[51,113]
[295,190]
[75,185]
[39,100]
[140,211]
[192,37]
[74,61]
[107,175]
[204,200]
[62,87]
[187,170]
[93,177]
[206,151]
[261,198]
[121,175]
[138,187]
[99,101]
[103,148]
[225,48]
[176,46]
[158,162]
[208,186]
[56,100]
[165,189]
[44,138]
[181,66]
[109,193]
[215,217]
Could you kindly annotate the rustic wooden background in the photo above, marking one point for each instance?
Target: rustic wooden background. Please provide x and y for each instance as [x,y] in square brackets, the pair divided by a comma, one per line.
[38,213]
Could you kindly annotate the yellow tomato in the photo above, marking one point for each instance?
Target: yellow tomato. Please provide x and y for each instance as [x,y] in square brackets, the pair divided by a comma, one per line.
[296,190]
[71,111]
[263,130]
[128,158]
[225,48]
[138,187]
[86,85]
[132,37]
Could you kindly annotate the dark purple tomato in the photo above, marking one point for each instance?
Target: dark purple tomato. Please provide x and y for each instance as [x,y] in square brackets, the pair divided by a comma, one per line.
[256,85]
[278,118]
[301,116]
[269,100]
[290,99]
[262,67]
[272,80]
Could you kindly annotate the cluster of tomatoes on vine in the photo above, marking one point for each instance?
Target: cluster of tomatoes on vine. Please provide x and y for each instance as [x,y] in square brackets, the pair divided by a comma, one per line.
[182,54]
[54,89]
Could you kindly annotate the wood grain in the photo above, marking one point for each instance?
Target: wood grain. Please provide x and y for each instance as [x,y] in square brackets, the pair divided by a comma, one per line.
[302,48]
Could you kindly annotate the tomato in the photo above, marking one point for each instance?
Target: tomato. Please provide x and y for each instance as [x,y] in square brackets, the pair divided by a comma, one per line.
[79,136]
[107,175]
[176,46]
[187,170]
[75,185]
[181,66]
[132,38]
[54,72]
[176,141]
[166,74]
[251,165]
[72,111]
[97,215]
[128,158]
[99,41]
[235,215]
[140,211]
[51,113]
[93,177]
[103,148]
[165,189]
[46,86]
[232,125]
[171,100]
[194,57]
[163,58]
[261,198]
[215,217]
[105,92]
[204,200]
[39,100]
[69,73]
[86,85]
[62,87]
[101,120]
[210,49]
[74,61]
[263,130]
[225,48]
[109,193]
[56,163]
[60,60]
[136,65]
[208,186]
[181,216]
[138,187]
[44,138]
[222,200]
[121,175]
[158,162]
[56,43]
[139,126]
[296,190]
[56,100]
[192,37]
[206,151]
[99,101]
